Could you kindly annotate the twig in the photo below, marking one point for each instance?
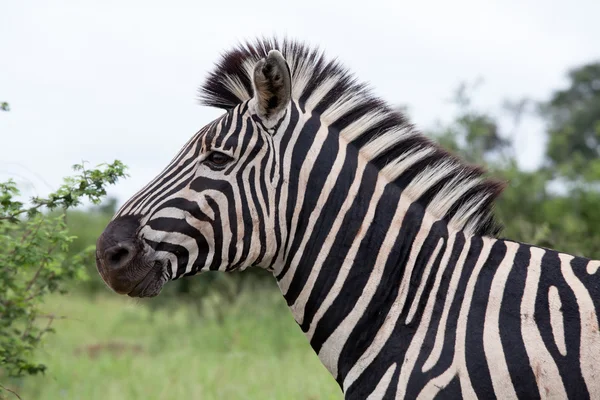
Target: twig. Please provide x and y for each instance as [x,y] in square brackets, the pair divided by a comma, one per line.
[57,317]
[37,274]
[39,336]
[36,294]
[11,391]
[54,316]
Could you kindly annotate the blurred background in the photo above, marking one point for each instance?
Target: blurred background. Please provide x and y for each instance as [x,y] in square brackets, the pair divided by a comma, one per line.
[514,85]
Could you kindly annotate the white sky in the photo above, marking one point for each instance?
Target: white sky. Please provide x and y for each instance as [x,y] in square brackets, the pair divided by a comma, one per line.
[98,81]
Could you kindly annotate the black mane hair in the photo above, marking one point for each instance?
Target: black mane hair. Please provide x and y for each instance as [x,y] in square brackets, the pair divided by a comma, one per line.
[451,189]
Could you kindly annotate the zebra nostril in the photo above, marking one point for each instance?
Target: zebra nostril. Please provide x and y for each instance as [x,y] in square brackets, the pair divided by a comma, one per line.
[119,256]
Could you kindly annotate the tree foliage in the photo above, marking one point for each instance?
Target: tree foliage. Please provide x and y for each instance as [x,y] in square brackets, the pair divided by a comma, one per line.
[573,118]
[35,259]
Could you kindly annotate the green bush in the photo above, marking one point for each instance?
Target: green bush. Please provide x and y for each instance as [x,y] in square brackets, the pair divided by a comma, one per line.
[35,260]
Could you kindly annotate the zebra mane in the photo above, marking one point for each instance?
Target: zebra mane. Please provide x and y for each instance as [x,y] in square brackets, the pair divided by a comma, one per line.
[450,189]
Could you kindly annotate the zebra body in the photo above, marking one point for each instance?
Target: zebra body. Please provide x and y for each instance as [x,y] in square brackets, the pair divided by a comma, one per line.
[382,244]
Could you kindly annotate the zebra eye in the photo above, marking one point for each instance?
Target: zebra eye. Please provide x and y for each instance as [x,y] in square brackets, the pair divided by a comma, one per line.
[218,159]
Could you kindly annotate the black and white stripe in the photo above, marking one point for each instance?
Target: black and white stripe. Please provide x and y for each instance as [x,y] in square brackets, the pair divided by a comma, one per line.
[382,243]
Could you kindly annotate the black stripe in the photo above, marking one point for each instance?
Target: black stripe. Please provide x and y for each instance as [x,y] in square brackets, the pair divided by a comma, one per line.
[511,335]
[419,379]
[347,235]
[327,275]
[568,366]
[285,140]
[299,153]
[149,195]
[363,334]
[262,234]
[318,176]
[477,364]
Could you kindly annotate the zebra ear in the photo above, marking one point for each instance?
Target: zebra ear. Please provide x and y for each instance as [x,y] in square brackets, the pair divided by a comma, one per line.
[272,85]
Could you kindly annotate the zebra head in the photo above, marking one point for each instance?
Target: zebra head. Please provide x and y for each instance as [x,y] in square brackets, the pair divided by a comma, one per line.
[282,176]
[212,207]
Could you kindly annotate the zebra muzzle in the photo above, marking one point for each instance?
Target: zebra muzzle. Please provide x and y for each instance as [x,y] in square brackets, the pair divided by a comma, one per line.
[126,264]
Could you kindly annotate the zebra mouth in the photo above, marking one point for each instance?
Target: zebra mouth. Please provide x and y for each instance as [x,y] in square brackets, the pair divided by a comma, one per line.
[151,284]
[126,263]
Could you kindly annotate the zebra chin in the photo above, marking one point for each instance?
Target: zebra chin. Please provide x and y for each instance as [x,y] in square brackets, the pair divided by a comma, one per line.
[127,264]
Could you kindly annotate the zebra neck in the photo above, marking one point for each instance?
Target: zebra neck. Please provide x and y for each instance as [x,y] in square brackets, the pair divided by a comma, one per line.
[382,289]
[348,258]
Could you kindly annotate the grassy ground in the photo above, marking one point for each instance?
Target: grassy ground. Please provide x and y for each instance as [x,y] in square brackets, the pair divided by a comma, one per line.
[117,348]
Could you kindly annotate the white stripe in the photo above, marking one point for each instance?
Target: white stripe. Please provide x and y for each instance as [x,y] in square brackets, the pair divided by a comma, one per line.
[464,215]
[449,195]
[362,124]
[460,356]
[302,73]
[424,279]
[492,344]
[436,351]
[459,363]
[395,168]
[415,250]
[546,372]
[556,319]
[152,200]
[286,160]
[304,174]
[433,387]
[320,92]
[184,155]
[237,119]
[332,347]
[175,238]
[300,303]
[410,357]
[428,177]
[386,141]
[252,238]
[341,106]
[383,384]
[592,267]
[235,85]
[391,318]
[589,356]
[143,196]
[325,356]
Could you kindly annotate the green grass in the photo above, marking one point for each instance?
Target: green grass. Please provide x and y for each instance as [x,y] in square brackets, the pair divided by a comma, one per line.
[116,348]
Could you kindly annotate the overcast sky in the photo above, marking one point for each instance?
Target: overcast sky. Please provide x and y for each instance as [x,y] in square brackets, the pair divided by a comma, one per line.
[98,81]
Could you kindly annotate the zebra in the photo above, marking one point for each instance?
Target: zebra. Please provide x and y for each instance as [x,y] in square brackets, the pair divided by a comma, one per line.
[384,245]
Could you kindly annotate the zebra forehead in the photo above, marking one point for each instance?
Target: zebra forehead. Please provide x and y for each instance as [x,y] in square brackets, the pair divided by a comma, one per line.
[218,129]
